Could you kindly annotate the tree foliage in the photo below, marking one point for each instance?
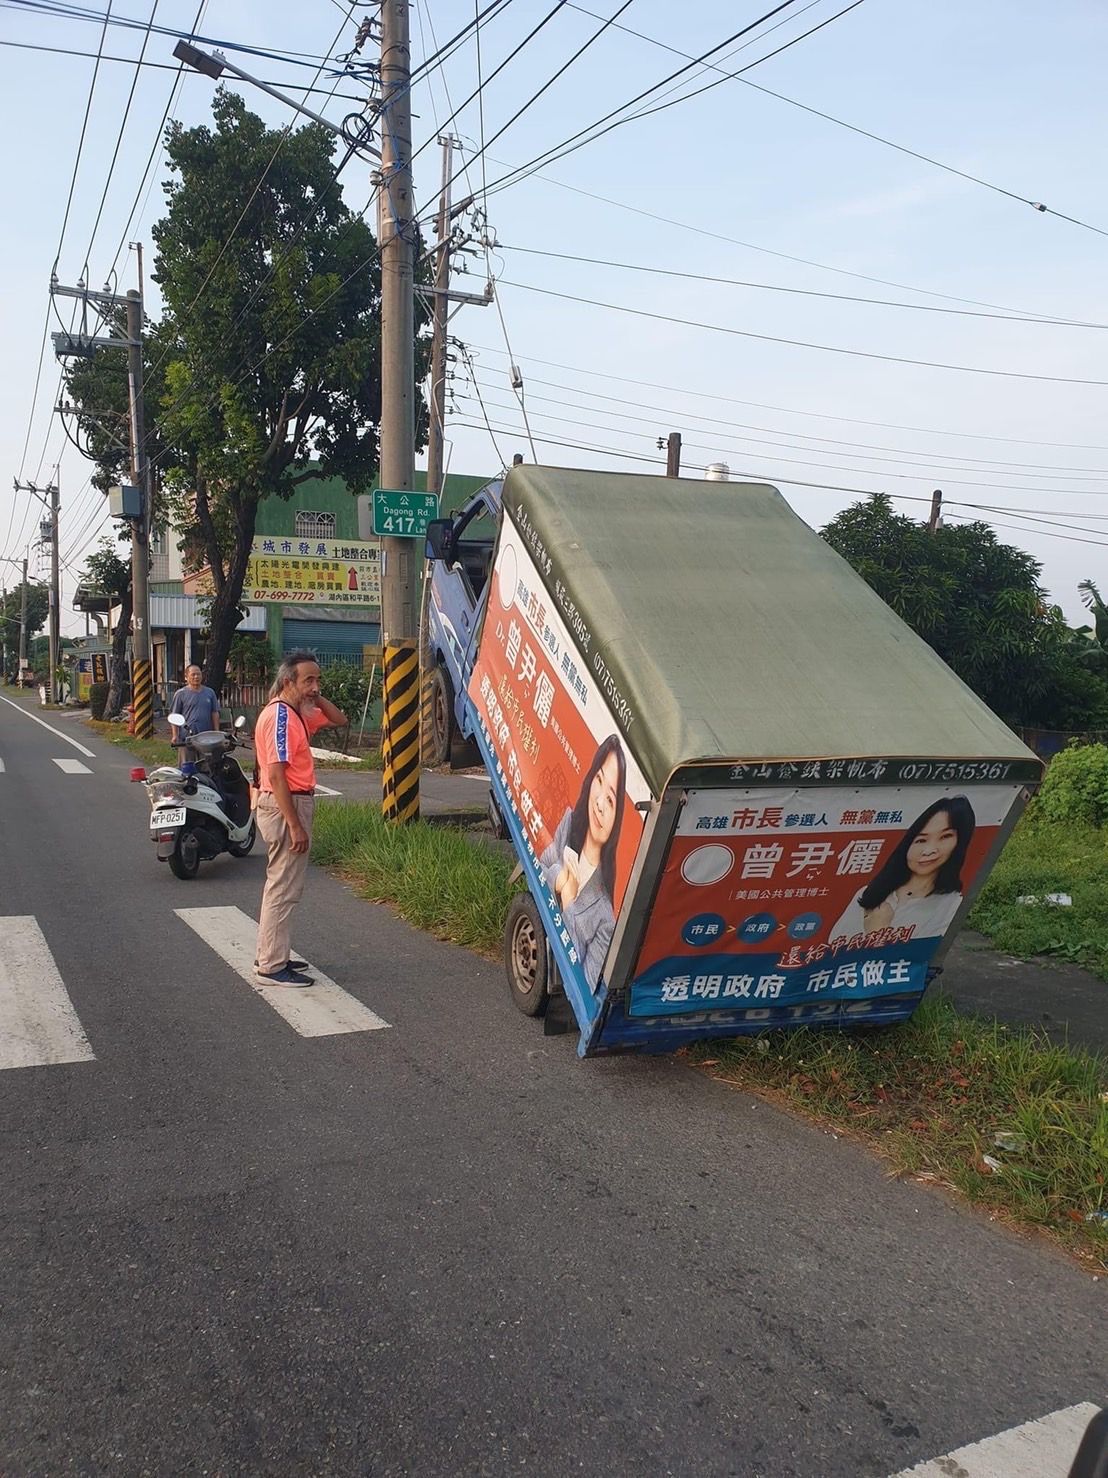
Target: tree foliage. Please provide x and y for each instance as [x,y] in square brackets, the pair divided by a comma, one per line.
[38,608]
[979,603]
[107,571]
[272,327]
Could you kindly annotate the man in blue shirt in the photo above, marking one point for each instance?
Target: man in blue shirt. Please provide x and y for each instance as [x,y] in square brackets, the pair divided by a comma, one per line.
[199,707]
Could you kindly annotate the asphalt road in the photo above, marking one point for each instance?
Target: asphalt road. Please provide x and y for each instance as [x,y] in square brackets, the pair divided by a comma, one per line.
[448,1246]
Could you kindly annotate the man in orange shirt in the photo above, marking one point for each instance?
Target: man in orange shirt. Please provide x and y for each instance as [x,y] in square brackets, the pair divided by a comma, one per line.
[286,781]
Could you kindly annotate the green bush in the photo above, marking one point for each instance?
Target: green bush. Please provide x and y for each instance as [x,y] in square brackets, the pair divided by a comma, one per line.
[97,698]
[1075,789]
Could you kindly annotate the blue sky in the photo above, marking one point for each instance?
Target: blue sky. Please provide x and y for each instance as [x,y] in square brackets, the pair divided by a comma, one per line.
[1009,92]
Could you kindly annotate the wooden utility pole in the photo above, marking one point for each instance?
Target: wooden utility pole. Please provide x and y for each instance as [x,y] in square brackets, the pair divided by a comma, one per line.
[673,454]
[935,521]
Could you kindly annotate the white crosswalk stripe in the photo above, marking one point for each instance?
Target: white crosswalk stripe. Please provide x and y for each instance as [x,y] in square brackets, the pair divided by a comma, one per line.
[324,1010]
[325,790]
[1040,1449]
[38,1024]
[1,767]
[72,767]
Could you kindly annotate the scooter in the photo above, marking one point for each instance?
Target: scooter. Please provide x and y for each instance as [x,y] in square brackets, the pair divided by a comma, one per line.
[202,807]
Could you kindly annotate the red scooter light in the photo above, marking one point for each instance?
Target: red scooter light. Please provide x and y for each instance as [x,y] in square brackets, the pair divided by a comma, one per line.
[138,773]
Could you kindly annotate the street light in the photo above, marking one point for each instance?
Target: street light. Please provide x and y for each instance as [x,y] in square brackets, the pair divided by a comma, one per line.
[214,64]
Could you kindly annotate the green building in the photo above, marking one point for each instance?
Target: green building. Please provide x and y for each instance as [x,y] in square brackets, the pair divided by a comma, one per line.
[322,508]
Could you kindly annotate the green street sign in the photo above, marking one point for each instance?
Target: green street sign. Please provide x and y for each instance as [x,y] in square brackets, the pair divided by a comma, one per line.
[401,515]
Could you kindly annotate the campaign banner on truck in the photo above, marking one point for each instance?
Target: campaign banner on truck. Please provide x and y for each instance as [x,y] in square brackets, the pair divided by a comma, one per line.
[568,775]
[338,572]
[795,895]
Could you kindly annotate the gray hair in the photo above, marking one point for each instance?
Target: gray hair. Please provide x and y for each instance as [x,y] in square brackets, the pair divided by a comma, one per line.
[286,672]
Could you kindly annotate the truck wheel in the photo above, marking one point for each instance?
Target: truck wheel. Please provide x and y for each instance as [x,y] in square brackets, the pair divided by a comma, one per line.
[442,716]
[525,956]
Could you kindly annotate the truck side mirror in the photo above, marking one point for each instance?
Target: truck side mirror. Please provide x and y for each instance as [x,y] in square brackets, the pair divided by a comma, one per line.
[440,539]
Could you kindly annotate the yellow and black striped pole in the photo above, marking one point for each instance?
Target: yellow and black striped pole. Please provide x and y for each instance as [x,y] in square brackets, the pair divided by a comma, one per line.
[142,700]
[400,732]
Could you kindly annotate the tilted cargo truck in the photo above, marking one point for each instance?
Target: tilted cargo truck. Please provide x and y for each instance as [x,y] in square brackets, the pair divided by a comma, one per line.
[742,792]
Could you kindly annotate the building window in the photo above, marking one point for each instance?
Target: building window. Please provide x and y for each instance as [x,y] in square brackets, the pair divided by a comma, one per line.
[158,542]
[314,525]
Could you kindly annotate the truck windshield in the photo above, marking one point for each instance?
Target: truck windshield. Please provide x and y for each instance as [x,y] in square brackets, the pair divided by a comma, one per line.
[476,537]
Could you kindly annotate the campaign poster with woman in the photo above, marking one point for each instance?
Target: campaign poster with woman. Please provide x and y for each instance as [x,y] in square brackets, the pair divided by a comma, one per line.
[572,783]
[784,896]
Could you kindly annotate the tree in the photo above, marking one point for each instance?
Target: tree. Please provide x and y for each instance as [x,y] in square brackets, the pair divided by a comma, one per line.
[1091,642]
[979,603]
[38,608]
[106,571]
[272,333]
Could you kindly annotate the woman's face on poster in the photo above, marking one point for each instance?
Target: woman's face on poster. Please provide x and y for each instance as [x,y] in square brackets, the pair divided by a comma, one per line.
[932,846]
[602,800]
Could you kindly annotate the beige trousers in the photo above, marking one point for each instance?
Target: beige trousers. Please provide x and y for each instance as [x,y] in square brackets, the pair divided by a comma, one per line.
[284,878]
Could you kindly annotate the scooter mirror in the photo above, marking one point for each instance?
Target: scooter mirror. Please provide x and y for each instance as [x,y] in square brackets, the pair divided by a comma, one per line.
[177,720]
[240,722]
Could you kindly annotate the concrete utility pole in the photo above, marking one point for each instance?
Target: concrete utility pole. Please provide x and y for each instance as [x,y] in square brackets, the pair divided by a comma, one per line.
[395,235]
[400,558]
[23,625]
[50,499]
[439,313]
[142,686]
[84,345]
[934,523]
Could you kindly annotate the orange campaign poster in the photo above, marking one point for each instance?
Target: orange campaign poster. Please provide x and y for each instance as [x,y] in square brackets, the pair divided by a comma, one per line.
[570,780]
[802,894]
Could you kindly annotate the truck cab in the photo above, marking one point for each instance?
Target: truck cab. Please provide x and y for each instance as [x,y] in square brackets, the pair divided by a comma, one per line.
[461,547]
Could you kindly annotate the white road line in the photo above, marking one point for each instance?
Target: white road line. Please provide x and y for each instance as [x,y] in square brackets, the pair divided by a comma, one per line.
[38,1024]
[88,753]
[1041,1449]
[324,1010]
[1,767]
[326,790]
[72,767]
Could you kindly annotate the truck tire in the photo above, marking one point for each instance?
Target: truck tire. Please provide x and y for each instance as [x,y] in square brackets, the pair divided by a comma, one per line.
[525,956]
[442,716]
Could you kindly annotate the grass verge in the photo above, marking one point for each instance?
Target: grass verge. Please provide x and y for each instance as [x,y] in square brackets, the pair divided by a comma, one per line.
[1043,857]
[150,751]
[434,877]
[932,1096]
[929,1096]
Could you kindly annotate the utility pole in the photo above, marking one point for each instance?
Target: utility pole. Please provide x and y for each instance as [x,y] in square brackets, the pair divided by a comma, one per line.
[23,625]
[142,686]
[441,299]
[399,599]
[50,499]
[673,454]
[935,521]
[83,345]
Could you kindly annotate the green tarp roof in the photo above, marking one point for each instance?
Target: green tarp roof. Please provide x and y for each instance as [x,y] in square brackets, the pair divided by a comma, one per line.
[723,627]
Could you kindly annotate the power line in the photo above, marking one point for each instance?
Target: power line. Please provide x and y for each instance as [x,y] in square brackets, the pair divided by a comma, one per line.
[653,88]
[856,471]
[803,292]
[786,410]
[155,149]
[967,369]
[783,255]
[857,448]
[73,12]
[119,136]
[875,137]
[147,66]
